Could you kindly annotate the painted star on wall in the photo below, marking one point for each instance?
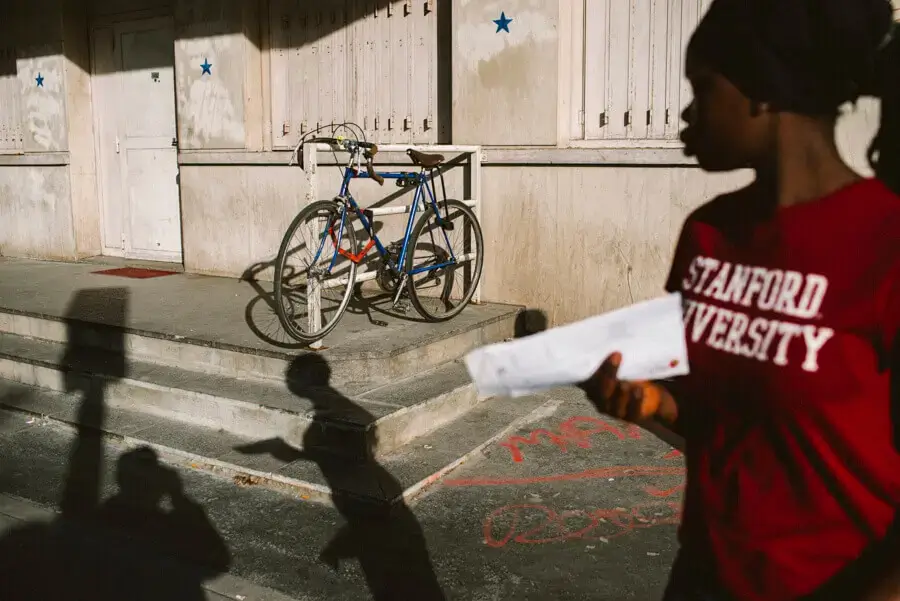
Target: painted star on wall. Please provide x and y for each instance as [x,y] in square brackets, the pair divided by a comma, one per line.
[40,80]
[207,68]
[503,23]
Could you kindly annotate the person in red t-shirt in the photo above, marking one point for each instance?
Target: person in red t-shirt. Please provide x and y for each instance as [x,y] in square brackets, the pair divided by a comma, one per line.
[792,306]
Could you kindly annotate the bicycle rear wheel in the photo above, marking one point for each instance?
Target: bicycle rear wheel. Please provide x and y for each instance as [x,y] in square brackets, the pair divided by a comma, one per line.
[311,296]
[444,261]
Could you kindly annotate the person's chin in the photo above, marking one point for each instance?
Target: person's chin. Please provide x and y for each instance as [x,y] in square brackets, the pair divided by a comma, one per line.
[702,158]
[708,161]
[711,164]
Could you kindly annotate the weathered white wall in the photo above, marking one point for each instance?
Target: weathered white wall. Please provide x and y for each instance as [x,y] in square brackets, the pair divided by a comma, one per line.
[36,200]
[86,214]
[211,106]
[36,29]
[36,212]
[576,241]
[234,217]
[505,85]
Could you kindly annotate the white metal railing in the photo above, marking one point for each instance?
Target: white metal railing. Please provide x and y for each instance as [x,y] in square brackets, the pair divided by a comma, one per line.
[473,199]
[367,276]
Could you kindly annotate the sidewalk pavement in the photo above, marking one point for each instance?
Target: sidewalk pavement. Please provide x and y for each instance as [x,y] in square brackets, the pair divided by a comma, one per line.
[20,515]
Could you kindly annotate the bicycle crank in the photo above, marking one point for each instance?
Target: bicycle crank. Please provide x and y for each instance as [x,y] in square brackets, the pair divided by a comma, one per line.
[387,278]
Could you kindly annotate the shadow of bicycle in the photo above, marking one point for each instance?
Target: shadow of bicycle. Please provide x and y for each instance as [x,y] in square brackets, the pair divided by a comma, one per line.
[261,313]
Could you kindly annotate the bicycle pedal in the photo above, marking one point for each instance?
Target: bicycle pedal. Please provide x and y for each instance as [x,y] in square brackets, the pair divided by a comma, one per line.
[402,307]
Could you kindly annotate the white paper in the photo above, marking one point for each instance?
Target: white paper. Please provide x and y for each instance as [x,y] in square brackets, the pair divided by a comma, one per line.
[649,335]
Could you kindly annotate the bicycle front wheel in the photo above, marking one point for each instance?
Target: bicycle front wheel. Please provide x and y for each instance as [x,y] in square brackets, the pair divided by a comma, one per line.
[444,261]
[313,280]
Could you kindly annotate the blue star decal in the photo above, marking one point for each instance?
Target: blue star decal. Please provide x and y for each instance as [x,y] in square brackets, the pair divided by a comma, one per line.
[503,23]
[40,80]
[207,68]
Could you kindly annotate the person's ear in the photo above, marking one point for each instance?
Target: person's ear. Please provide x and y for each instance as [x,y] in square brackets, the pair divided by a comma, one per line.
[758,109]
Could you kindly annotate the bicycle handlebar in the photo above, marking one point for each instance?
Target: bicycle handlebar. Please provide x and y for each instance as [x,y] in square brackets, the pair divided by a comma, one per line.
[354,147]
[372,174]
[346,143]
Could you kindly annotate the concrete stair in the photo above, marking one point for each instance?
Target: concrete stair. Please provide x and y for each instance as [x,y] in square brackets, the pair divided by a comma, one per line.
[368,358]
[302,415]
[403,474]
[377,415]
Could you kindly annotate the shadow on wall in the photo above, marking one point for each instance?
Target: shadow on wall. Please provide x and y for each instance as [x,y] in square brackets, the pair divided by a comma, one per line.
[117,549]
[530,321]
[386,538]
[34,36]
[28,34]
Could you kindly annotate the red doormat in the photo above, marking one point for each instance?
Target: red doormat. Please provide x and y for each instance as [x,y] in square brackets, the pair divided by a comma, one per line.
[136,273]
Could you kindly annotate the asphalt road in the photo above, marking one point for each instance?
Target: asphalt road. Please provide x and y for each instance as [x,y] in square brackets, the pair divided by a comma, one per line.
[571,507]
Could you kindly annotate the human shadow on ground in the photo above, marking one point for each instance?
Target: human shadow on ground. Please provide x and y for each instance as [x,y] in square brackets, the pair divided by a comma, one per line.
[128,547]
[382,534]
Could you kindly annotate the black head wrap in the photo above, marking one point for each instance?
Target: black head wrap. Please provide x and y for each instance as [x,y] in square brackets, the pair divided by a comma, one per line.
[802,56]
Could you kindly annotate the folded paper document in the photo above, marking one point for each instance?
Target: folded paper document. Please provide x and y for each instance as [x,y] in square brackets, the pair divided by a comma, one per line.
[650,336]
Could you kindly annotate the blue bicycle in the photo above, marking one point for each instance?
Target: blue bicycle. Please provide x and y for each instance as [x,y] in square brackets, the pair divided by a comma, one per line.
[425,265]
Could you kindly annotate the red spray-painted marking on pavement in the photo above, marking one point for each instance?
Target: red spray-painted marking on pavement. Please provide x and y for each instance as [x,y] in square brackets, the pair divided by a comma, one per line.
[674,454]
[537,524]
[663,493]
[617,471]
[575,431]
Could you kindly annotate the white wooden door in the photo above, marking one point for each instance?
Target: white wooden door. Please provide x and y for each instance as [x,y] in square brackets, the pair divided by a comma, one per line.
[134,100]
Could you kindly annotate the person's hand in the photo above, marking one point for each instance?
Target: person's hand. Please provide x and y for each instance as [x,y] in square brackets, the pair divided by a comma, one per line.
[630,401]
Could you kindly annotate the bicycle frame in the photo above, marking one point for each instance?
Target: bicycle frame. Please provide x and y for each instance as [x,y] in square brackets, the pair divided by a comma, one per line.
[348,202]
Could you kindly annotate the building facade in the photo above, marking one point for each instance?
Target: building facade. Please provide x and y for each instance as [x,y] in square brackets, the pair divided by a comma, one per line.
[162,130]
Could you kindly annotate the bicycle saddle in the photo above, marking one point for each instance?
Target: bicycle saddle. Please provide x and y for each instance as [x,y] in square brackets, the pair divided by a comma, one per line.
[429,161]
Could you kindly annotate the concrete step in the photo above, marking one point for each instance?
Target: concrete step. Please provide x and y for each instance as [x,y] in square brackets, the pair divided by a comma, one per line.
[360,355]
[304,410]
[274,463]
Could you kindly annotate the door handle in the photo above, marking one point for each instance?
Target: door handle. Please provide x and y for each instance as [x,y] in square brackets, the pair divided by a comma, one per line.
[174,142]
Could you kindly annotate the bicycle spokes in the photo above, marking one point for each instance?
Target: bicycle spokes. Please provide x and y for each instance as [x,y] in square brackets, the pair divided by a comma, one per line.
[312,270]
[445,266]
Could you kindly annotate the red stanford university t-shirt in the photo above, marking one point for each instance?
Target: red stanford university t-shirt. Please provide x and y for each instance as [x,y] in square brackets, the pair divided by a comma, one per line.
[792,467]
